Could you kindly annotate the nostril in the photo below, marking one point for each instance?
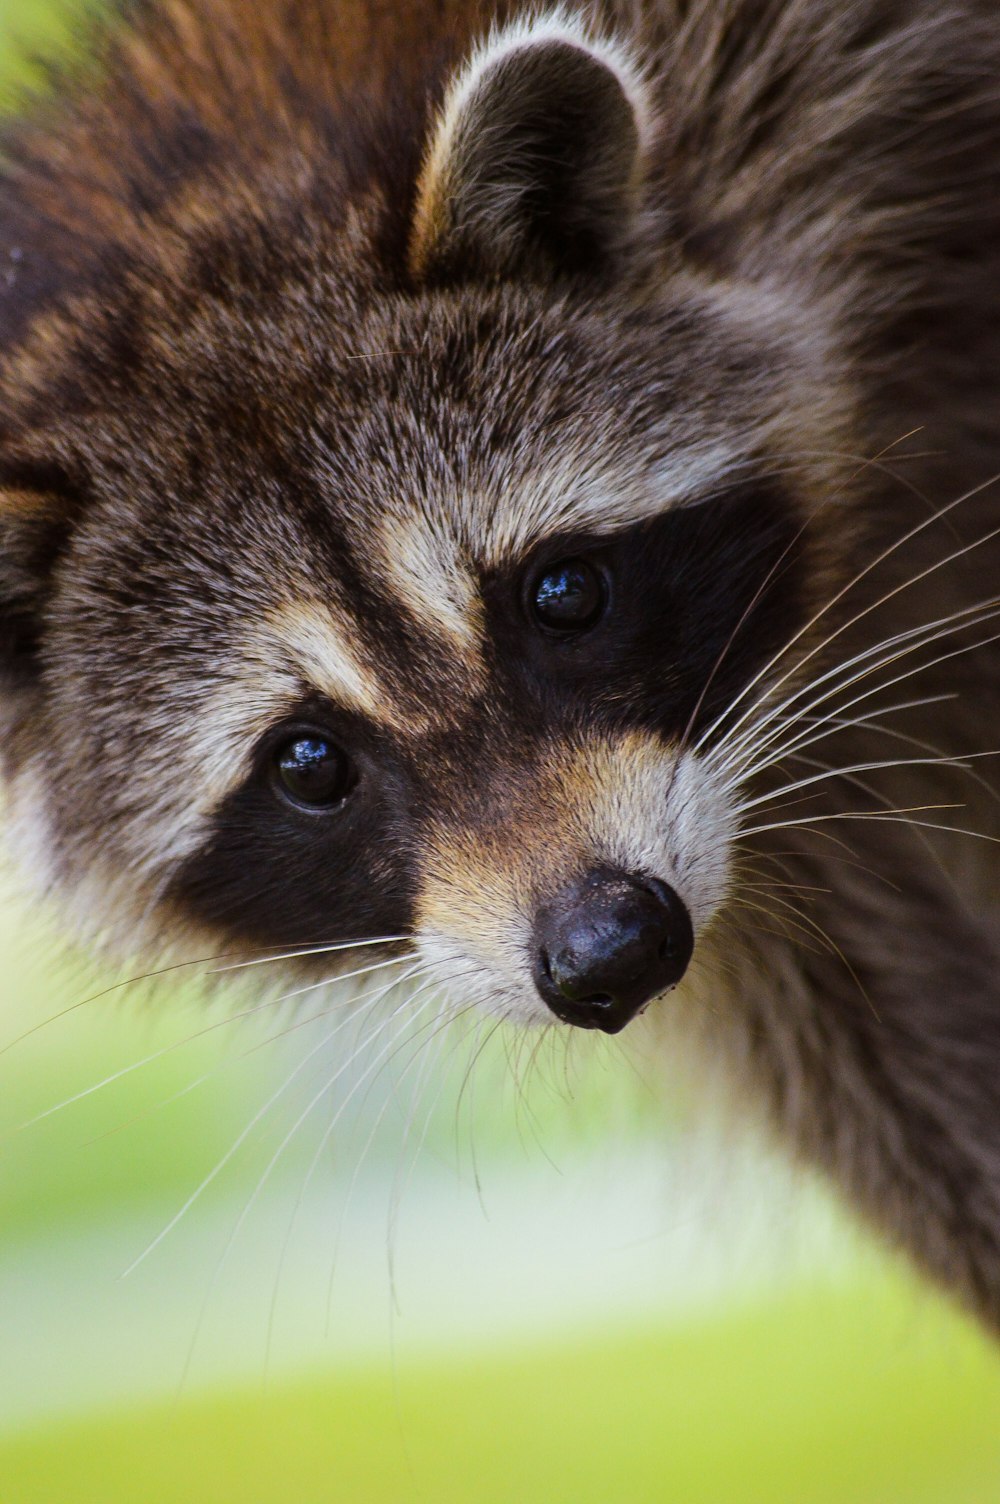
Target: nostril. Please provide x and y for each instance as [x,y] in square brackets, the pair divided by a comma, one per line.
[591,999]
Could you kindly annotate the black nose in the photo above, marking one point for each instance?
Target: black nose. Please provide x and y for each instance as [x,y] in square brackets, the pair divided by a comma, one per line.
[607,945]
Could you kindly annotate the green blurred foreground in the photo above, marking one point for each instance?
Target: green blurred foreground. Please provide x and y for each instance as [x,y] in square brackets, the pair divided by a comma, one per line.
[827,1400]
[591,1337]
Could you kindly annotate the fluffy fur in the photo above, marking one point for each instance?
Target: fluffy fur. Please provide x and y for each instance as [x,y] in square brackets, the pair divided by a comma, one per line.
[324,326]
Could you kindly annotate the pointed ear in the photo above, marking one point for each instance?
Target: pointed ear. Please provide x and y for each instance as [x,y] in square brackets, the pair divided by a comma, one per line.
[535,162]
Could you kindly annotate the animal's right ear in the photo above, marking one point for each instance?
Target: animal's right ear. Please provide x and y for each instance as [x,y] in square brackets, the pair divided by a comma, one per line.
[34,523]
[535,163]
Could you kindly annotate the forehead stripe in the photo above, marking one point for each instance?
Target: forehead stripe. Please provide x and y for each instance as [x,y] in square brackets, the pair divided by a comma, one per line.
[428,574]
[300,641]
[320,647]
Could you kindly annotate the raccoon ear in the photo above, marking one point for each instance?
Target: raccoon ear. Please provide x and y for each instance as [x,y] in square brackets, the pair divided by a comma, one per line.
[34,523]
[535,161]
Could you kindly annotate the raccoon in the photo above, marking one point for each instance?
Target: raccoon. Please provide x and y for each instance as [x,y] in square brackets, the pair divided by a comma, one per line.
[516,489]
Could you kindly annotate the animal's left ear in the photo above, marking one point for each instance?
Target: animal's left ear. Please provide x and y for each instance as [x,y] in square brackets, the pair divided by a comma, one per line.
[535,163]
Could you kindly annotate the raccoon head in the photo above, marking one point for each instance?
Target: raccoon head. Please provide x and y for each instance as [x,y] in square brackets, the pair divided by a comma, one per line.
[367,584]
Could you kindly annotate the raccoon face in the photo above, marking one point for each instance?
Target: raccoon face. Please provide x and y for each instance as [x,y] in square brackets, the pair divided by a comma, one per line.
[405,606]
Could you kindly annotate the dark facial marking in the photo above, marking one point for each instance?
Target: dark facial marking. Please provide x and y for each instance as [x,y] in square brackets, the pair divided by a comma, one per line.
[702,596]
[693,604]
[275,871]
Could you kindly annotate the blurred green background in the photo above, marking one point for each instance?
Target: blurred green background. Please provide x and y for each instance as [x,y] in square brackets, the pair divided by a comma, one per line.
[453,1274]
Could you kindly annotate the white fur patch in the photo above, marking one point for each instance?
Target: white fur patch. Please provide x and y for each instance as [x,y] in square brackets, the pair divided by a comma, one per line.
[208,749]
[301,643]
[433,582]
[568,497]
[310,637]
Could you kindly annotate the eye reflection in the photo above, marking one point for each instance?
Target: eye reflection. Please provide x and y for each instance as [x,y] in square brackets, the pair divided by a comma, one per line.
[311,771]
[569,596]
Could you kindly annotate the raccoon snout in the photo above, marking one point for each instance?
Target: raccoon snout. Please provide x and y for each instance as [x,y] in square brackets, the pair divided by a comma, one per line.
[607,945]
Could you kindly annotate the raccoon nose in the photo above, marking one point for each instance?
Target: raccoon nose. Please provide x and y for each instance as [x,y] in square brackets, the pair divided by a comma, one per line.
[607,945]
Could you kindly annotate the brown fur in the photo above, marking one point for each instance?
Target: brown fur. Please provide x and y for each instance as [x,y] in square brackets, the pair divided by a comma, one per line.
[247,351]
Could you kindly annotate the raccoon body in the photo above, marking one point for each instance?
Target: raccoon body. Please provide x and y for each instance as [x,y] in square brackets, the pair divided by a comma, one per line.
[518,488]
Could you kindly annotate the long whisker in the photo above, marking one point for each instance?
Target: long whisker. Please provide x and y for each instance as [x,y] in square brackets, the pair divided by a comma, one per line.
[808,736]
[440,979]
[882,655]
[844,857]
[783,925]
[861,767]
[903,643]
[163,971]
[919,835]
[896,817]
[393,1044]
[314,1101]
[758,595]
[237,1144]
[745,615]
[351,1002]
[304,1187]
[342,976]
[447,1018]
[479,1050]
[894,733]
[314,950]
[811,730]
[831,946]
[840,594]
[178,1044]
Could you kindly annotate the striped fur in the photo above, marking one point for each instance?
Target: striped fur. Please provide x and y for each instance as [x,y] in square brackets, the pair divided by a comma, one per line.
[325,327]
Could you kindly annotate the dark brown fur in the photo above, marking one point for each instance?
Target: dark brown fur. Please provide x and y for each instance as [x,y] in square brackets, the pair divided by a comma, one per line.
[225,358]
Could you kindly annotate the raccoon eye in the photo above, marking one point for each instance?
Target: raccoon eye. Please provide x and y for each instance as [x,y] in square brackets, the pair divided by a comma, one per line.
[569,597]
[312,772]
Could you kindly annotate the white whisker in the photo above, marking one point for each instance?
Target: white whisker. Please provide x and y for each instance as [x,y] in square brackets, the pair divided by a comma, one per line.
[840,594]
[914,639]
[314,950]
[861,767]
[237,1144]
[327,1086]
